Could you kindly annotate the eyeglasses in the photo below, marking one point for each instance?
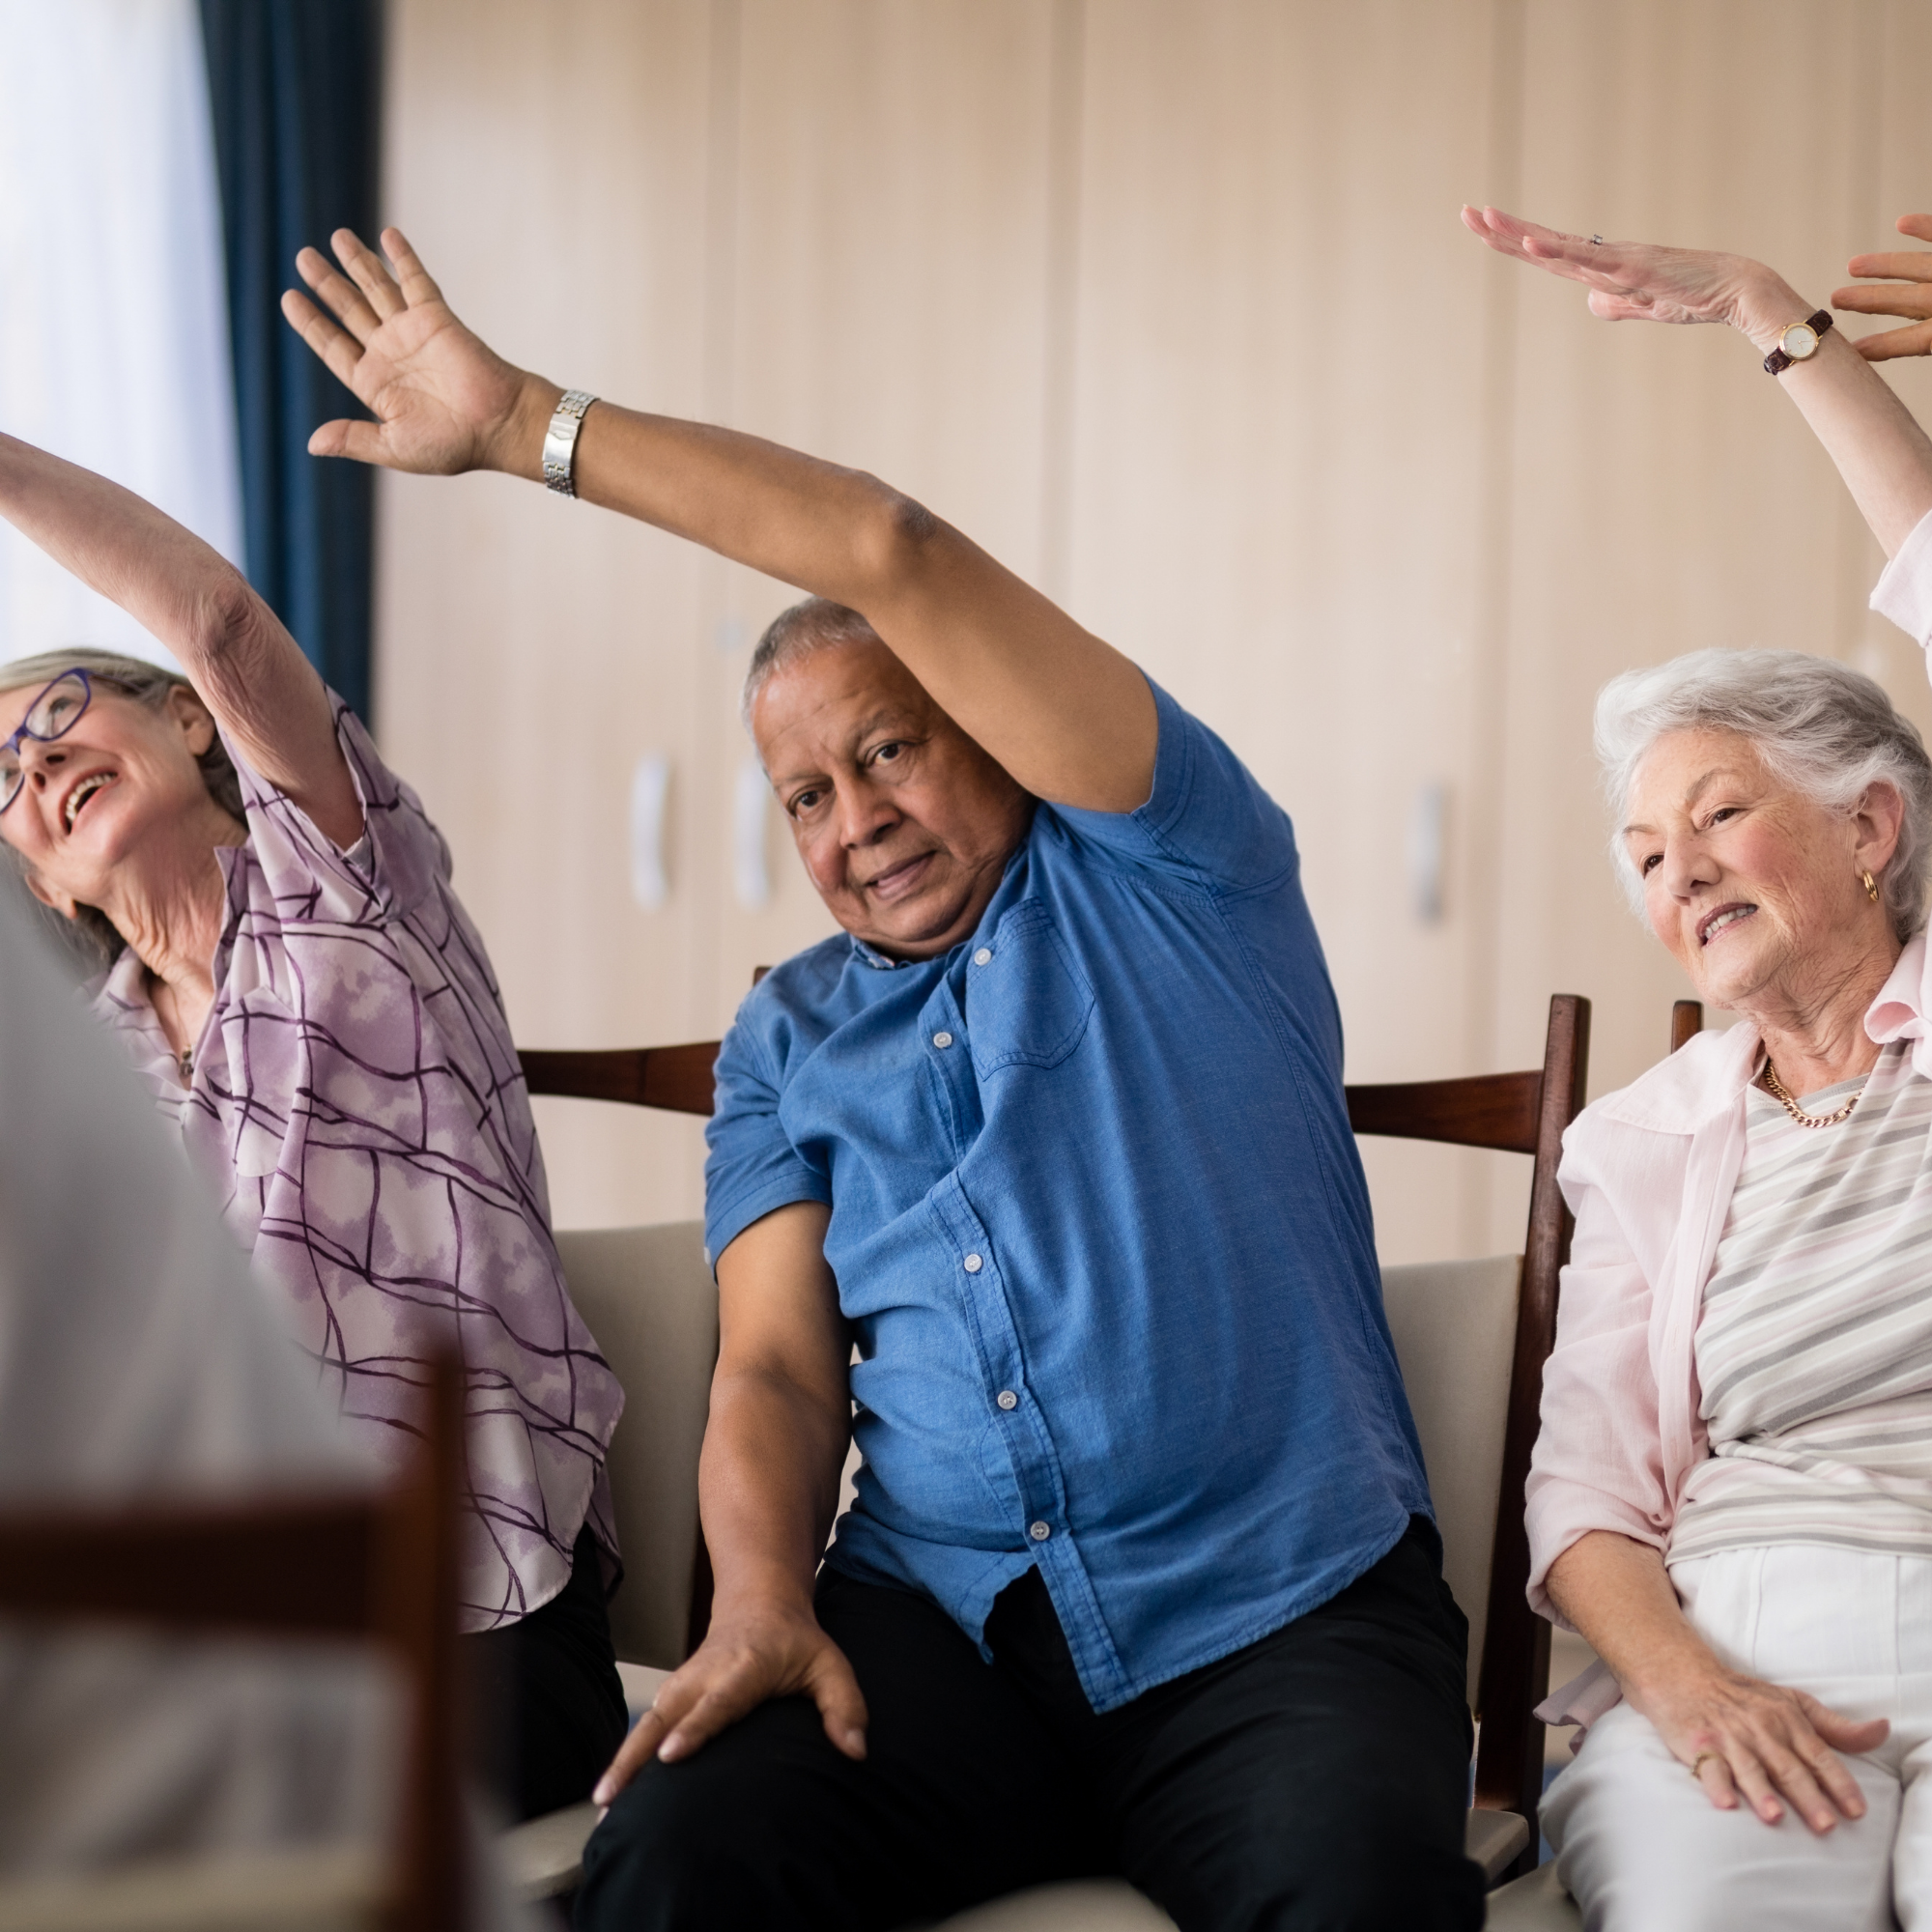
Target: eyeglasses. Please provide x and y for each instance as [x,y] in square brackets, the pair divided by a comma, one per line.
[52,714]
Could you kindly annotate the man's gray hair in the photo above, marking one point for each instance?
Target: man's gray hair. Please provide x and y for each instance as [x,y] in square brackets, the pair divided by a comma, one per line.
[795,634]
[1825,730]
[91,940]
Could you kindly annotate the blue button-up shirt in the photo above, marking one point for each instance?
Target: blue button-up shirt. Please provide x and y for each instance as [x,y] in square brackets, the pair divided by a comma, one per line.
[1101,1232]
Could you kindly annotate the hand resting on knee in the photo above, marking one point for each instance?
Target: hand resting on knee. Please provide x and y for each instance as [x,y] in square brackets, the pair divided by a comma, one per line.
[1736,1733]
[780,1420]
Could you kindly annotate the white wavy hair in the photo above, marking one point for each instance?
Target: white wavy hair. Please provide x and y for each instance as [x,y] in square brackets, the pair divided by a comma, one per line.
[1825,730]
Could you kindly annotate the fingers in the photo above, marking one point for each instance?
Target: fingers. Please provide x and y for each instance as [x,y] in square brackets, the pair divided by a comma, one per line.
[700,1711]
[342,297]
[1893,342]
[1842,1733]
[417,287]
[1910,299]
[359,442]
[338,350]
[1918,226]
[369,272]
[835,1690]
[633,1754]
[1913,267]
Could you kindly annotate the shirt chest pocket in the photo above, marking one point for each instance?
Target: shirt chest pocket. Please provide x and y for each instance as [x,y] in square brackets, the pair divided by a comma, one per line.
[1027,1001]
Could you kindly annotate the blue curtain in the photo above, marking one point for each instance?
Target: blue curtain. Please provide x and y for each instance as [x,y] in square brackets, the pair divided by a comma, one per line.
[295,90]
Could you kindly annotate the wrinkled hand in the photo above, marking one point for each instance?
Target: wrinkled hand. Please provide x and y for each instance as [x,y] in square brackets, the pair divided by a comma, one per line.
[741,1663]
[1908,292]
[443,400]
[1641,282]
[1764,1741]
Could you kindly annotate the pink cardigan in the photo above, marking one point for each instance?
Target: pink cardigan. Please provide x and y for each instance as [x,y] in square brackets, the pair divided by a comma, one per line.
[1648,1172]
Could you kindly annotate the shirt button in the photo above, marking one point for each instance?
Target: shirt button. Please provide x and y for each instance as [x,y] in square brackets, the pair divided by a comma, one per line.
[983,958]
[974,1264]
[1007,1399]
[942,1041]
[1039,1532]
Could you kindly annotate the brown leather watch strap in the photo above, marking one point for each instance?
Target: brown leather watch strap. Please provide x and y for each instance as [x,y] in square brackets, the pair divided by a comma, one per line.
[1778,361]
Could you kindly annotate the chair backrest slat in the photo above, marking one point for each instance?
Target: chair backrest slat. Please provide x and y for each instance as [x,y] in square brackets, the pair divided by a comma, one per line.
[382,1565]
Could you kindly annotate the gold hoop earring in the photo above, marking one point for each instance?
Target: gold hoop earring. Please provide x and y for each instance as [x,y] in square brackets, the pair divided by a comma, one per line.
[1871,887]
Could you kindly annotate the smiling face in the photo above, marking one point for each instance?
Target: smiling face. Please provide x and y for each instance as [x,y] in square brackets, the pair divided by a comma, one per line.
[90,799]
[1755,889]
[904,824]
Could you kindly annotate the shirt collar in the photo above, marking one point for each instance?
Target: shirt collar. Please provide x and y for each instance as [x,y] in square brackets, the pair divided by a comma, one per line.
[872,957]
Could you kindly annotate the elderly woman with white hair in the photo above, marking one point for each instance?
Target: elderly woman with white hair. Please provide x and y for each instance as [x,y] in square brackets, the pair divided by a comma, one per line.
[1731,1498]
[281,954]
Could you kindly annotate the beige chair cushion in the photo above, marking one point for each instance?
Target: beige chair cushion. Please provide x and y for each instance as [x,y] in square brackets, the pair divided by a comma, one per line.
[545,1858]
[318,1889]
[1454,1324]
[647,1295]
[1534,1903]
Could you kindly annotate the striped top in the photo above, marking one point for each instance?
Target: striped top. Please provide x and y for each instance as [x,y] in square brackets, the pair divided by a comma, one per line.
[1814,1345]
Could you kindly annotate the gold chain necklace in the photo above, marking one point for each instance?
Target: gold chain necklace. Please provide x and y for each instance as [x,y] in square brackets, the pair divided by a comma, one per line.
[1777,1090]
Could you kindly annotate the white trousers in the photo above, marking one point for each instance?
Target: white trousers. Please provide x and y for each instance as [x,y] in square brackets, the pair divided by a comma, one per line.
[1642,1849]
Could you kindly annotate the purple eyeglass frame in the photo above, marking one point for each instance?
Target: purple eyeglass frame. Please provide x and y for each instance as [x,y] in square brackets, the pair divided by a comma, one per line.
[12,744]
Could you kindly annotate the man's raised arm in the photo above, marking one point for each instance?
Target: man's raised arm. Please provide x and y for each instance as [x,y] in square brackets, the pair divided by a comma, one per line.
[1071,718]
[768,1485]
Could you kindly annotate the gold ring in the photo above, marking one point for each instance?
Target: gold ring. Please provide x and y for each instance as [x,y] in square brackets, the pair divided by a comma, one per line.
[1697,1762]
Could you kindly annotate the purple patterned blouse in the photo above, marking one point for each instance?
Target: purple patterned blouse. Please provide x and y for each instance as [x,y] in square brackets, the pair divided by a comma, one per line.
[356,1099]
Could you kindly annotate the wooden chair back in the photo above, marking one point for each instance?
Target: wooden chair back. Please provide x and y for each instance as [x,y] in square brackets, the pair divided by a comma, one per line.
[1518,1113]
[377,1565]
[1687,1022]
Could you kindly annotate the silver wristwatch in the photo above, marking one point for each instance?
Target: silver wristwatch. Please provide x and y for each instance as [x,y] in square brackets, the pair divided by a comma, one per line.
[559,448]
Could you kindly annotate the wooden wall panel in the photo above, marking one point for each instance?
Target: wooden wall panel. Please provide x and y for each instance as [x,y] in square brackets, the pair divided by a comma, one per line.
[1165,301]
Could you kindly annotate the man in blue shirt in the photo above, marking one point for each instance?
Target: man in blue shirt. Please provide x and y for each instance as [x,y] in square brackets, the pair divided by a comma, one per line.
[1141,1575]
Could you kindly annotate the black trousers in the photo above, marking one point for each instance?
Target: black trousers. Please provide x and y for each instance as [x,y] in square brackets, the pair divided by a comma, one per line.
[1318,1779]
[552,1702]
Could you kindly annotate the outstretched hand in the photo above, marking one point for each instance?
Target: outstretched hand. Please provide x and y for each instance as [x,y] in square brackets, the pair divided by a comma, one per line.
[1641,282]
[1906,289]
[443,400]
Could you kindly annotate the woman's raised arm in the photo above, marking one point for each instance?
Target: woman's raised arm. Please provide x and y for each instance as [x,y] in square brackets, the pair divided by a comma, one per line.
[263,691]
[1069,717]
[1884,456]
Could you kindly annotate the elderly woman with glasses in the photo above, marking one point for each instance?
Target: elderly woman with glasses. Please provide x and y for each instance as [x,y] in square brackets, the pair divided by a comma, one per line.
[282,955]
[1731,1496]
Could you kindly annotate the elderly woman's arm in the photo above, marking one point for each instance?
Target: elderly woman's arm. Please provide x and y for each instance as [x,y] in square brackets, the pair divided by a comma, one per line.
[1071,718]
[248,669]
[1884,456]
[1774,1745]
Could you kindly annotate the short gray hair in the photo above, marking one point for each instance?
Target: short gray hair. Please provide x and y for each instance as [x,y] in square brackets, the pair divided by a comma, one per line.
[90,939]
[795,634]
[1825,730]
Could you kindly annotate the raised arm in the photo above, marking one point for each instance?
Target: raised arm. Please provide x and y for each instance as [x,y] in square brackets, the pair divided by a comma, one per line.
[1069,717]
[768,1482]
[1884,456]
[263,691]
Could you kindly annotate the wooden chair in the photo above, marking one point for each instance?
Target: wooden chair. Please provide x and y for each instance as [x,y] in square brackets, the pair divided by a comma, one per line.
[379,1565]
[1471,1337]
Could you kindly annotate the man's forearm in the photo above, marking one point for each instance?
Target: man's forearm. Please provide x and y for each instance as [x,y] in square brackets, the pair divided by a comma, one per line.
[829,530]
[768,1489]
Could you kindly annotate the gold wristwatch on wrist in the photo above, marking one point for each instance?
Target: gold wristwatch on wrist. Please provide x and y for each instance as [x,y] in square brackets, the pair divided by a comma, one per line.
[1798,343]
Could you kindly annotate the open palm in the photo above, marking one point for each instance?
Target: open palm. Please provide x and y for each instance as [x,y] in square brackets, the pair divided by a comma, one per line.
[443,398]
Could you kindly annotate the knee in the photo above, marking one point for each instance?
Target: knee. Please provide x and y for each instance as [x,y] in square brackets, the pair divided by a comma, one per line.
[707,1842]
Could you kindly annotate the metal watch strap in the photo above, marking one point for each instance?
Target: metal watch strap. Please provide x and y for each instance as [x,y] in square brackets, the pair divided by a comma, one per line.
[1778,361]
[559,446]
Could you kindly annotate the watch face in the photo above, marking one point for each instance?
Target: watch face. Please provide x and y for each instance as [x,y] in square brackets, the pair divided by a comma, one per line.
[1800,340]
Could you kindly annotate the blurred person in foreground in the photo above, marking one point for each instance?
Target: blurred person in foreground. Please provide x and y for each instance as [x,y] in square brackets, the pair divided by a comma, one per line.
[140,1364]
[1140,1576]
[285,961]
[137,1361]
[1731,1496]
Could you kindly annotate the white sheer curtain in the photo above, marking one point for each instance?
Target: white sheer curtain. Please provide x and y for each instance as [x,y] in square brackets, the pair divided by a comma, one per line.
[113,326]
